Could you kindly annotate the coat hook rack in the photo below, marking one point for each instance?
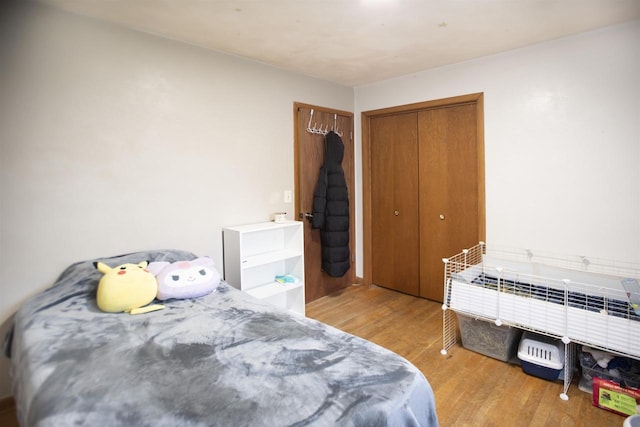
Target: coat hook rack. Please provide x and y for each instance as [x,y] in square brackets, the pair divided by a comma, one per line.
[323,129]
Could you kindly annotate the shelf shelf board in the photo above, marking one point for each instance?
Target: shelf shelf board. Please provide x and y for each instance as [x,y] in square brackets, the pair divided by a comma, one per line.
[271,289]
[268,257]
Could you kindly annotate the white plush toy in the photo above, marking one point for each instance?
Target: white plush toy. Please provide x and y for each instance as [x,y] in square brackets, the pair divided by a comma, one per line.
[185,279]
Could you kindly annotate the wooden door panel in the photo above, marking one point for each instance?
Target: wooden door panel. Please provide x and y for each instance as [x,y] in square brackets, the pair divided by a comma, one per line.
[309,156]
[382,202]
[451,171]
[448,156]
[394,208]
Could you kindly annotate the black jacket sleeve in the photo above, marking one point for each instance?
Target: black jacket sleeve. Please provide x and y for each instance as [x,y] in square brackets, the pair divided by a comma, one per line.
[320,199]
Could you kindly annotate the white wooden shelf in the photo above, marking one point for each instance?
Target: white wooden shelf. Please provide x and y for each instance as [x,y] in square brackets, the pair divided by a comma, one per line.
[254,254]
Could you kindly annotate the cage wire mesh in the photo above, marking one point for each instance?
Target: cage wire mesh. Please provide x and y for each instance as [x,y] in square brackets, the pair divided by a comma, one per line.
[577,311]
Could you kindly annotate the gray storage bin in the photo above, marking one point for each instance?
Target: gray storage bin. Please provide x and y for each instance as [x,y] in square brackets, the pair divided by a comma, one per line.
[500,342]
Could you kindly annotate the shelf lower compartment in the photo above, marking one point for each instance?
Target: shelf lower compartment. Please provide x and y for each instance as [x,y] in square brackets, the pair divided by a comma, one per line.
[271,289]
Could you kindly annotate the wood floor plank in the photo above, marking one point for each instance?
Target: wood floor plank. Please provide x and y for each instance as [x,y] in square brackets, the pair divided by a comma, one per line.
[471,389]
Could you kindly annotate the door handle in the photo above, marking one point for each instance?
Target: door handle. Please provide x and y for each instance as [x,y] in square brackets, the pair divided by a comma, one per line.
[306,215]
[441,217]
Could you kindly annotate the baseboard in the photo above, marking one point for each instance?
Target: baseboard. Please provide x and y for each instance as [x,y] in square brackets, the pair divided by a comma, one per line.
[7,404]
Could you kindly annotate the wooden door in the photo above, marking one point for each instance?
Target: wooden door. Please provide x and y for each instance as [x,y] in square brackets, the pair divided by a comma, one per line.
[394,205]
[309,156]
[449,222]
[449,182]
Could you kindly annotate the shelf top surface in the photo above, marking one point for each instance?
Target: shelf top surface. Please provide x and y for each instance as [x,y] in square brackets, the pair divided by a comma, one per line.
[268,225]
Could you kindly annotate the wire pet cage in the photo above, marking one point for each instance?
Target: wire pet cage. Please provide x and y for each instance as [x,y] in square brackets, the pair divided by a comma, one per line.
[580,300]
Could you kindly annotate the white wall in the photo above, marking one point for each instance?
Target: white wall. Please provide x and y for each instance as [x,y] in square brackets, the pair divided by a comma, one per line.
[562,140]
[114,141]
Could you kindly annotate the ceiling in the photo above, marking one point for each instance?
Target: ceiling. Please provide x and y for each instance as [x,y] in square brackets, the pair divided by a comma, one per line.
[357,42]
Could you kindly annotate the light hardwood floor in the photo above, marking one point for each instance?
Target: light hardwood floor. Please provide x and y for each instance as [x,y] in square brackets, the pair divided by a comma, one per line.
[470,389]
[8,413]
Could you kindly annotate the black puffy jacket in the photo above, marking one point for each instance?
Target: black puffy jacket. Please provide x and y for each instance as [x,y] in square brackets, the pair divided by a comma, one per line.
[331,209]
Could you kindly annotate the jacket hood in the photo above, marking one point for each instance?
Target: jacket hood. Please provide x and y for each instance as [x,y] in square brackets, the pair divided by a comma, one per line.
[334,148]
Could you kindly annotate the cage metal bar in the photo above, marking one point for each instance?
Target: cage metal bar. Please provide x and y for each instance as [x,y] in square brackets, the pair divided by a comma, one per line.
[455,264]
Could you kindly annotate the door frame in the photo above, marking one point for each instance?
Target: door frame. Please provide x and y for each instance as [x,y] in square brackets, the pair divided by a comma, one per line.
[366,116]
[297,170]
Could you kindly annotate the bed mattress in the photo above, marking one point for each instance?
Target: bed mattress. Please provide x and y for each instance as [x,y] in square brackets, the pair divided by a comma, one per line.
[225,359]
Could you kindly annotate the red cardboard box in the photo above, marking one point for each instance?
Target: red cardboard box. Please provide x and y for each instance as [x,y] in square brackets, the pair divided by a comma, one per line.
[613,397]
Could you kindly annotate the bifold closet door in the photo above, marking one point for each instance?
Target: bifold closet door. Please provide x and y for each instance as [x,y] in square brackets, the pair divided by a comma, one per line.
[449,191]
[394,202]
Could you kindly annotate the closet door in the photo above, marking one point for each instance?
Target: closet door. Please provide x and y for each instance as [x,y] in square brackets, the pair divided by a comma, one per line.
[449,190]
[394,203]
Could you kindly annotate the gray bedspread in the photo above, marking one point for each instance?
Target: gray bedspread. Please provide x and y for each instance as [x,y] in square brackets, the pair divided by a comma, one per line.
[225,359]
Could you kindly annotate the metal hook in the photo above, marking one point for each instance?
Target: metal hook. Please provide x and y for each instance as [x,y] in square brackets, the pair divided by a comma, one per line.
[335,125]
[323,129]
[309,129]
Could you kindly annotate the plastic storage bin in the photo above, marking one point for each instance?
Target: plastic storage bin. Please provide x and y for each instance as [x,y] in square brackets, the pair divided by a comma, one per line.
[541,356]
[624,371]
[484,337]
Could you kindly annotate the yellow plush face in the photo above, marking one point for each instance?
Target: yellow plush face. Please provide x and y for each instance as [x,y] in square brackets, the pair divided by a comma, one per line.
[125,287]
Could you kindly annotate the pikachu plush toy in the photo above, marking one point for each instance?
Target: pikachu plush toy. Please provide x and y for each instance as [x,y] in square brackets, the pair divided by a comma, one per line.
[127,288]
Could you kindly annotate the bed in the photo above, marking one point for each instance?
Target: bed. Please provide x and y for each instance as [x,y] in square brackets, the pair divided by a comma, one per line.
[218,360]
[578,299]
